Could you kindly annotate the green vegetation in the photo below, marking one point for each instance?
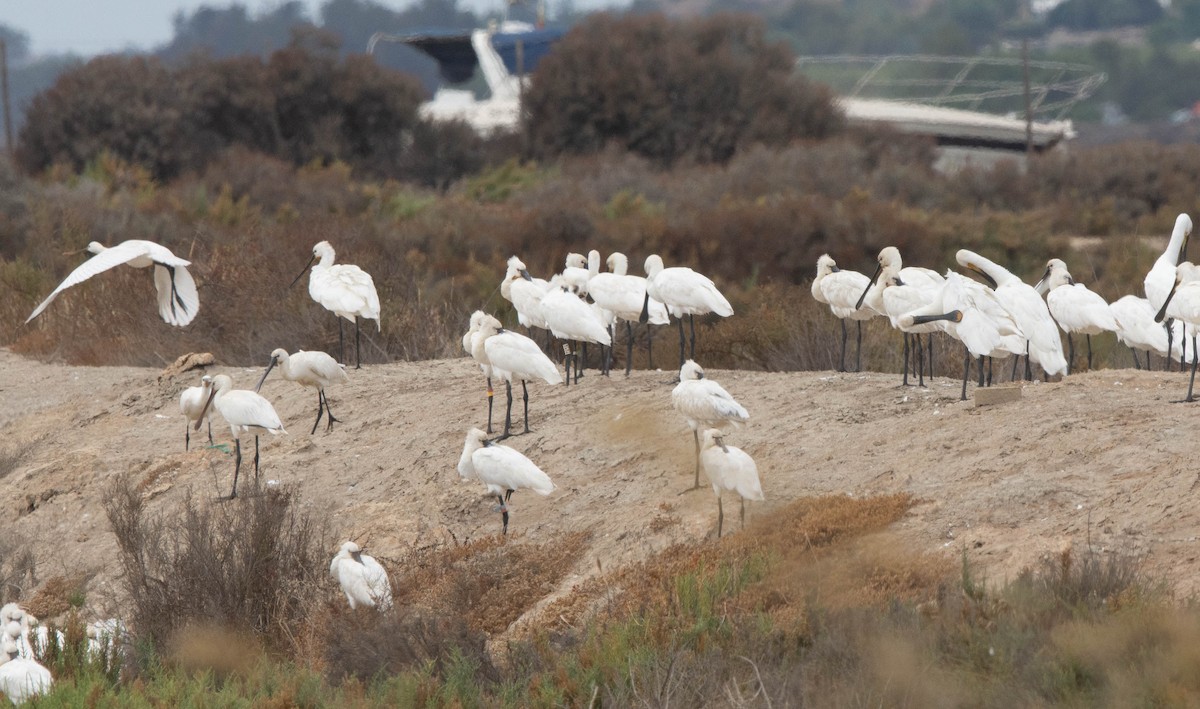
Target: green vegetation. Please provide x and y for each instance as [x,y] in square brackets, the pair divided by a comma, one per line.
[817,605]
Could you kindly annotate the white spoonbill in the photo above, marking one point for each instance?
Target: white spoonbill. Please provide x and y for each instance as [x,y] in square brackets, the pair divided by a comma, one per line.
[729,468]
[705,404]
[973,315]
[569,318]
[1161,277]
[246,412]
[1076,308]
[480,357]
[502,469]
[311,369]
[1183,303]
[178,301]
[345,290]
[191,403]
[684,292]
[1137,329]
[575,274]
[22,678]
[1027,308]
[525,293]
[914,287]
[623,295]
[361,577]
[842,291]
[511,355]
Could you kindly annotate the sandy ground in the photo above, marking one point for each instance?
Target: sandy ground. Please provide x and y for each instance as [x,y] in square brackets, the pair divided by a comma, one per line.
[1103,456]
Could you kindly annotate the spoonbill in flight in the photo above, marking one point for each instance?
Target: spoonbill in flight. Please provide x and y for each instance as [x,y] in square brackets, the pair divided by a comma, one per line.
[178,301]
[311,369]
[246,412]
[502,469]
[345,290]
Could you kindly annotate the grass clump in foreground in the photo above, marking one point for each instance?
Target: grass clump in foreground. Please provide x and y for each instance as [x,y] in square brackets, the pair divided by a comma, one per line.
[814,604]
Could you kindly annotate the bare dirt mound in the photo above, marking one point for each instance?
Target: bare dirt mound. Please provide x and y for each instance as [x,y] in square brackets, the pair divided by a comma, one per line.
[1100,458]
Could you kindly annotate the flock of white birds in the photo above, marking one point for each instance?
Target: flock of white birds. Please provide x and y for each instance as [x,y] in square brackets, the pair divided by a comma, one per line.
[22,638]
[580,306]
[1008,317]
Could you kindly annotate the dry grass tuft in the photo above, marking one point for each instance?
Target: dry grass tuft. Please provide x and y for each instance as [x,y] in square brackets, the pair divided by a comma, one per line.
[490,582]
[57,595]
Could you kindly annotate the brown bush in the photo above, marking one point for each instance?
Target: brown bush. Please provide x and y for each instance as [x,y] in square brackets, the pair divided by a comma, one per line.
[696,90]
[255,565]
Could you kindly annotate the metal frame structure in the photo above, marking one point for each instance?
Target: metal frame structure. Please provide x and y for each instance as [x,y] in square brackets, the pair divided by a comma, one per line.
[1058,88]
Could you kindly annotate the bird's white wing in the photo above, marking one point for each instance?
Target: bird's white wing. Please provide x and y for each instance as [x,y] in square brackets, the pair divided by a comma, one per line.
[109,258]
[734,470]
[703,400]
[180,307]
[321,365]
[1078,309]
[243,407]
[377,582]
[842,291]
[513,353]
[507,468]
[346,288]
[687,289]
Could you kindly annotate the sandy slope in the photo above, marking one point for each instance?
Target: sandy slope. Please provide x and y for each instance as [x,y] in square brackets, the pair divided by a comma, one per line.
[1009,483]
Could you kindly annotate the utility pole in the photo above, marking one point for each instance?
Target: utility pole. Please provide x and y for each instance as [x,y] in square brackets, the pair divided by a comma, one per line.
[1025,17]
[8,136]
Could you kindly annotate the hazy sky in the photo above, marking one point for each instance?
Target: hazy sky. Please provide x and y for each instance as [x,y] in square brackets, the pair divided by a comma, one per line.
[88,27]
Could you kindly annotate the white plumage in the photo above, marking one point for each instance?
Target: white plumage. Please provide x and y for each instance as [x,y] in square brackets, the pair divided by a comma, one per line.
[575,275]
[501,469]
[897,290]
[843,292]
[316,370]
[972,314]
[1074,307]
[1027,308]
[1183,303]
[525,293]
[178,301]
[512,357]
[191,405]
[22,679]
[246,412]
[345,290]
[362,578]
[624,296]
[684,292]
[704,404]
[474,348]
[569,318]
[1137,329]
[1161,277]
[729,468]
